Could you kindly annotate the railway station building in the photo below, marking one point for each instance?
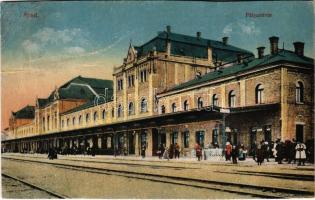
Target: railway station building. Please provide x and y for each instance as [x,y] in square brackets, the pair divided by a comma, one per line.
[176,88]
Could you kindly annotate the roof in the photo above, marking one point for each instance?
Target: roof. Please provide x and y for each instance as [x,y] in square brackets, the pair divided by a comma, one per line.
[98,85]
[80,88]
[28,112]
[87,105]
[248,64]
[192,46]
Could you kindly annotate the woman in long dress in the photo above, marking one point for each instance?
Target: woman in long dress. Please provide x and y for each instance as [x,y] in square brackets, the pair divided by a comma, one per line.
[166,154]
[300,153]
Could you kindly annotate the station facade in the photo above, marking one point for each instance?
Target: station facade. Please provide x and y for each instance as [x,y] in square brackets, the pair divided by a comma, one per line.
[180,89]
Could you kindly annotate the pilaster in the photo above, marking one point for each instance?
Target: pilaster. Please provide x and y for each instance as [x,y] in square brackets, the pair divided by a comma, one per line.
[148,151]
[242,93]
[223,96]
[284,103]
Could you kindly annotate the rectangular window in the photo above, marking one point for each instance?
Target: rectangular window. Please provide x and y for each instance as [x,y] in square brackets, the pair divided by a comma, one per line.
[145,75]
[174,137]
[215,134]
[186,139]
[133,80]
[200,138]
[120,84]
[141,76]
[129,81]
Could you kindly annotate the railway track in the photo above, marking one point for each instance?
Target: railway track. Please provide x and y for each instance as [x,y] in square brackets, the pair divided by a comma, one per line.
[245,189]
[35,187]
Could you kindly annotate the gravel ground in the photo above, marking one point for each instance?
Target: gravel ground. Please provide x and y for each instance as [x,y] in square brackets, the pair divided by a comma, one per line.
[12,189]
[77,184]
[215,171]
[270,174]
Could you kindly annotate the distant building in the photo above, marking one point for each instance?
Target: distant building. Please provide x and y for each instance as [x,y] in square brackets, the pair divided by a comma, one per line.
[178,89]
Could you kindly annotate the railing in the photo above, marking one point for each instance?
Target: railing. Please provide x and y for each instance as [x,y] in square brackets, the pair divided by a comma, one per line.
[210,154]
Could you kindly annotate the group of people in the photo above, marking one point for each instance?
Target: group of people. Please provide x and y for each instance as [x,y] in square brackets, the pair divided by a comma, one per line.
[52,154]
[169,152]
[235,152]
[288,151]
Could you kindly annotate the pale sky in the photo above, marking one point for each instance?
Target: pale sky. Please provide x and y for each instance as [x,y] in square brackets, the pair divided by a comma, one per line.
[44,44]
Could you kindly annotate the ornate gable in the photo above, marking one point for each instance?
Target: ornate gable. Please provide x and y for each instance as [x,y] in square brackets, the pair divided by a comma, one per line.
[132,54]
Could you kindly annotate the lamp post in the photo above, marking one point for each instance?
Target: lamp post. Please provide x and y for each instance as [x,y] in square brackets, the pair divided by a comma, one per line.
[225,112]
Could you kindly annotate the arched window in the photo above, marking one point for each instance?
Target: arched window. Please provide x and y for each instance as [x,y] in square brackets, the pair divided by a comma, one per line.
[174,107]
[200,102]
[130,108]
[162,109]
[259,94]
[80,119]
[144,107]
[113,112]
[119,111]
[87,117]
[95,116]
[104,114]
[215,100]
[186,106]
[73,121]
[62,123]
[299,92]
[68,121]
[232,99]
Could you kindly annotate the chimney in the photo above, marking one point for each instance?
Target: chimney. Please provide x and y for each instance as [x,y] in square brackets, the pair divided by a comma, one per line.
[299,48]
[260,52]
[168,28]
[274,44]
[225,40]
[239,58]
[198,34]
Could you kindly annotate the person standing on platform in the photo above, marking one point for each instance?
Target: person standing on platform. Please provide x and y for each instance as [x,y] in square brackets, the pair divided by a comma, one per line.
[228,150]
[166,154]
[291,151]
[265,147]
[143,148]
[160,151]
[300,153]
[280,151]
[177,151]
[260,154]
[234,154]
[198,151]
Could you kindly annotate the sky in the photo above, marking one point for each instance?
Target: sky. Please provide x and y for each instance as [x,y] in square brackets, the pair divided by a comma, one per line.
[44,44]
